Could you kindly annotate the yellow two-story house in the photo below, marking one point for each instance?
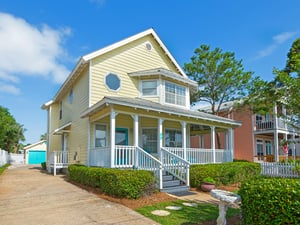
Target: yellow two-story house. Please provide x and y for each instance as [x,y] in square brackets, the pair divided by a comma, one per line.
[128,106]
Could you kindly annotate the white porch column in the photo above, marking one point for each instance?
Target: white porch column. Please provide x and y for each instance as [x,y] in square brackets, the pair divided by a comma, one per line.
[213,142]
[231,143]
[136,129]
[160,135]
[183,131]
[276,144]
[89,144]
[112,136]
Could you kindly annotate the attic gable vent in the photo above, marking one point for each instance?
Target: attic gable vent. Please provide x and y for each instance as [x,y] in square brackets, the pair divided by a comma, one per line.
[148,46]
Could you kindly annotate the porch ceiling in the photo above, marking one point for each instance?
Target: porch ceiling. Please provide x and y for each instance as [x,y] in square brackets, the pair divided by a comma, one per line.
[142,104]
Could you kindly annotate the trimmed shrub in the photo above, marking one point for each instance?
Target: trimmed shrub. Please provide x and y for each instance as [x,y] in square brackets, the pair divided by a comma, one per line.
[224,173]
[44,165]
[270,201]
[130,184]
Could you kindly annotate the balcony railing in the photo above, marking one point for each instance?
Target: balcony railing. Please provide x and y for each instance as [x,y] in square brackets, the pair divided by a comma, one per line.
[271,124]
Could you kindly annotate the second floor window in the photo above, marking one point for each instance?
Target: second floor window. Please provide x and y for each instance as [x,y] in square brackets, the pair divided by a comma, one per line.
[149,88]
[112,81]
[60,110]
[175,94]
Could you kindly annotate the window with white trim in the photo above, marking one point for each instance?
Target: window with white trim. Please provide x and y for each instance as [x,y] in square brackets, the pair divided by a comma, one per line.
[259,149]
[100,135]
[60,110]
[149,142]
[175,94]
[71,96]
[149,87]
[173,138]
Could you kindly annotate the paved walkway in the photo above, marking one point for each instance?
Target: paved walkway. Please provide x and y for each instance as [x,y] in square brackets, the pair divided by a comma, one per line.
[29,196]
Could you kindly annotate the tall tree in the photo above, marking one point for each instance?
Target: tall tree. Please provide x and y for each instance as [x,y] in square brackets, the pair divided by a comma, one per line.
[288,82]
[221,78]
[11,132]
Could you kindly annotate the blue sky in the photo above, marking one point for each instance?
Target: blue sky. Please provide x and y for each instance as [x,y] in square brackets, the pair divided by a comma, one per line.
[41,41]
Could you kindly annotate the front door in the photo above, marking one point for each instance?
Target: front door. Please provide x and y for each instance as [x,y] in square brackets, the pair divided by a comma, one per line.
[121,136]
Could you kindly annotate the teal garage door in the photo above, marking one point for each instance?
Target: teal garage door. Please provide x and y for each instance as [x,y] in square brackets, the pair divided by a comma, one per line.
[36,157]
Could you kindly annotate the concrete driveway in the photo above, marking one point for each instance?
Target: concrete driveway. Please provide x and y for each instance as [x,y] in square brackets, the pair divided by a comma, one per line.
[29,196]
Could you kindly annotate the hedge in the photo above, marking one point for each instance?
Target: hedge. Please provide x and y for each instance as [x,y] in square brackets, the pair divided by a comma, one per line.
[130,184]
[224,173]
[270,201]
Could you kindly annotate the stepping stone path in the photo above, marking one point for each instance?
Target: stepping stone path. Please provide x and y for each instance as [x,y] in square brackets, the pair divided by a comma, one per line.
[160,213]
[166,213]
[189,204]
[174,207]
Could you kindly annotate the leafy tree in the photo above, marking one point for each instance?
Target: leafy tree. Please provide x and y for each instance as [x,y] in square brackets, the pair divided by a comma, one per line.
[287,82]
[221,78]
[11,132]
[43,137]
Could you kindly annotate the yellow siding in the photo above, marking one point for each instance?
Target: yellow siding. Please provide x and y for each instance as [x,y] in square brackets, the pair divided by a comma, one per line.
[54,140]
[130,58]
[78,135]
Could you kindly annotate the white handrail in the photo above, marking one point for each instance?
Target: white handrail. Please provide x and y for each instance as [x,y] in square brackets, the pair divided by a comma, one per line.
[201,155]
[58,159]
[176,165]
[146,161]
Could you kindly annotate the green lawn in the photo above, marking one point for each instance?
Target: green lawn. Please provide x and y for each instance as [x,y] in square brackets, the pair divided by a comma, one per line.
[2,168]
[187,215]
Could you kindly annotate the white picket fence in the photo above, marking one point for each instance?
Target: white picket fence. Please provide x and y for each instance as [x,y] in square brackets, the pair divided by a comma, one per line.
[280,169]
[4,159]
[11,158]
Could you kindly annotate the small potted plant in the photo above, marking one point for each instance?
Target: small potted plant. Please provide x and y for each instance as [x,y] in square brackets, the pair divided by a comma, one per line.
[208,184]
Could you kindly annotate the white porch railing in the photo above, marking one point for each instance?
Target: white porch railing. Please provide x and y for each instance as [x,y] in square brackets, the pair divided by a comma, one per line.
[100,157]
[124,156]
[279,169]
[202,156]
[175,165]
[57,160]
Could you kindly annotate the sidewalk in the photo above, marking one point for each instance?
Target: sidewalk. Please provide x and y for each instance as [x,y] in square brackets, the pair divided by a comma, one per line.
[28,196]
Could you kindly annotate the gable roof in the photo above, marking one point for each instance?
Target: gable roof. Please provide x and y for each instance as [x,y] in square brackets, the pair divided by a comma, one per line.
[35,144]
[140,103]
[165,73]
[86,58]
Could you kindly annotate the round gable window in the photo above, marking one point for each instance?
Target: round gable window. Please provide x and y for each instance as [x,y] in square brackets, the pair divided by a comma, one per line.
[112,81]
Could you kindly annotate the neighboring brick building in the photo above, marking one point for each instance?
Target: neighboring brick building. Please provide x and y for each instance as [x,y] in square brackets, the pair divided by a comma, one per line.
[259,137]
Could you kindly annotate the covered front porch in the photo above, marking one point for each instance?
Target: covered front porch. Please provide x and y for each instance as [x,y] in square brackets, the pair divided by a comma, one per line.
[139,134]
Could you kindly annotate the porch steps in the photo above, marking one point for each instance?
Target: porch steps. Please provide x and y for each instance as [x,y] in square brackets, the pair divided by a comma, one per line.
[172,185]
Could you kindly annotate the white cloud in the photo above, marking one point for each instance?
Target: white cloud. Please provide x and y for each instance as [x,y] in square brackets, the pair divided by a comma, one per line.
[283,37]
[277,41]
[29,50]
[8,88]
